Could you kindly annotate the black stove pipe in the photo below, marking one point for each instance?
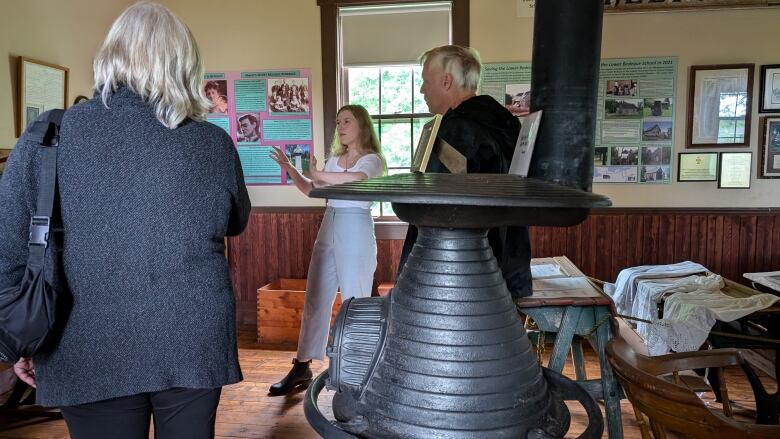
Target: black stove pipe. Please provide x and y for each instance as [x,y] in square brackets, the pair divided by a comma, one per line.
[564,84]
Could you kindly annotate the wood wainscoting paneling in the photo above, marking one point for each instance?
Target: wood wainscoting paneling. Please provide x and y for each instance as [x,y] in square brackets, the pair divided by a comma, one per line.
[277,243]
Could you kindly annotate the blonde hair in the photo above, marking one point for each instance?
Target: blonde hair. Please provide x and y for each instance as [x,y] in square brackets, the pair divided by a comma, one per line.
[153,53]
[368,138]
[463,63]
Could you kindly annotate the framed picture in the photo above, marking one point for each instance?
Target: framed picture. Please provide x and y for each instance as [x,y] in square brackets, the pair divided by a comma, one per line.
[719,105]
[425,145]
[42,87]
[734,170]
[697,166]
[769,100]
[769,148]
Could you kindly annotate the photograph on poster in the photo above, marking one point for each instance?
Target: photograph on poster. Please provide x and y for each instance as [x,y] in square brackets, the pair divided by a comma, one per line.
[734,170]
[656,155]
[656,130]
[657,107]
[517,99]
[769,148]
[600,155]
[299,156]
[614,174]
[248,127]
[624,156]
[622,87]
[697,166]
[623,108]
[216,91]
[769,99]
[654,174]
[288,95]
[719,103]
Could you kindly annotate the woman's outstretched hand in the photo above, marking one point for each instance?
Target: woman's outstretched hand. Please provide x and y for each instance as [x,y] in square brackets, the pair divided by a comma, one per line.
[280,157]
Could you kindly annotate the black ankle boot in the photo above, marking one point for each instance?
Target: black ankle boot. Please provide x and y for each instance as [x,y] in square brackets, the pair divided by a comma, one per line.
[299,376]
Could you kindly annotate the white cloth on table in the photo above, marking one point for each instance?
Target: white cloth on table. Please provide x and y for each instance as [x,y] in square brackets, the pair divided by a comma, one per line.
[623,291]
[689,317]
[650,293]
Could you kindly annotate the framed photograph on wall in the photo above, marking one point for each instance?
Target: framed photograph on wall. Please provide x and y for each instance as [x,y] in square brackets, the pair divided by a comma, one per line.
[42,87]
[719,105]
[734,170]
[769,99]
[769,148]
[425,145]
[697,166]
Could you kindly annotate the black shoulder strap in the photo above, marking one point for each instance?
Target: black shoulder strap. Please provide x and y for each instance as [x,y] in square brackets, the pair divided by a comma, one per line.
[47,133]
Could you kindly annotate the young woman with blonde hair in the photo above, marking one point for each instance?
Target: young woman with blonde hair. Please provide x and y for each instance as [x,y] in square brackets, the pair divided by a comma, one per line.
[344,255]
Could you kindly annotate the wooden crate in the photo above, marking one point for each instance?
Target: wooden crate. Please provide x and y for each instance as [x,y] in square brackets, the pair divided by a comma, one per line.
[280,309]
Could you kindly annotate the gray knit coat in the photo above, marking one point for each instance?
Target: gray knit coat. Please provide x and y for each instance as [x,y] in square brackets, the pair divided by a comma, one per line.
[145,210]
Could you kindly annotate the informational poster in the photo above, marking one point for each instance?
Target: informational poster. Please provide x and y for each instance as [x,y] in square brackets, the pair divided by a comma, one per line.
[635,120]
[635,114]
[262,109]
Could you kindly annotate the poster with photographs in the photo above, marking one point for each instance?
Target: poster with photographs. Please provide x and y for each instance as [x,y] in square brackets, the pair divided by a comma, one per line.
[262,109]
[635,114]
[635,120]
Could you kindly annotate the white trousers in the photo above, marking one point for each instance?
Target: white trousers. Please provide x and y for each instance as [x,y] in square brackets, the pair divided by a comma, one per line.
[344,258]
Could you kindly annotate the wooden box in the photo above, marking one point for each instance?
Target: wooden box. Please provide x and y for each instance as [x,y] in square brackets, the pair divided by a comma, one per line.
[280,309]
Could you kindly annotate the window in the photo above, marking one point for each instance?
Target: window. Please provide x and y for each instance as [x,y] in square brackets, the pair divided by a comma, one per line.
[383,74]
[731,117]
[369,57]
[391,95]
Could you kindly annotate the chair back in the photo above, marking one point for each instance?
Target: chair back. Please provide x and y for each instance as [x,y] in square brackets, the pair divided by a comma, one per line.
[675,408]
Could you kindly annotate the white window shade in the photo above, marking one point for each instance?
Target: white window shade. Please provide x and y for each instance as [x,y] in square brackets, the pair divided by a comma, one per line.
[392,35]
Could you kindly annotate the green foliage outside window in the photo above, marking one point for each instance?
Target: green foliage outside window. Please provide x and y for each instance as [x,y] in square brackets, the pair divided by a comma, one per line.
[391,94]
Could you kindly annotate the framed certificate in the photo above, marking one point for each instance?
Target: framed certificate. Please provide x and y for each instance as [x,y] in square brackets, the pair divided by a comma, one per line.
[769,148]
[734,170]
[769,100]
[697,166]
[719,105]
[42,87]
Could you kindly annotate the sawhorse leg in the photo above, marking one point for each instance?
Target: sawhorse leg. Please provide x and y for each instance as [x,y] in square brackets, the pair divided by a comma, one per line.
[609,384]
[571,316]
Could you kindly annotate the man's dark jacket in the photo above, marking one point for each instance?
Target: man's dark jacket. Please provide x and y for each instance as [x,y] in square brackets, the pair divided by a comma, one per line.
[485,132]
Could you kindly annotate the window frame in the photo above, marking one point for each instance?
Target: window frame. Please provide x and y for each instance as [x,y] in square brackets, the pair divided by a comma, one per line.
[390,117]
[331,65]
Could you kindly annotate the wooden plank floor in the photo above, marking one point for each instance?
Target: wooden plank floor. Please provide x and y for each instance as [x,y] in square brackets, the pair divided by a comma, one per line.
[246,410]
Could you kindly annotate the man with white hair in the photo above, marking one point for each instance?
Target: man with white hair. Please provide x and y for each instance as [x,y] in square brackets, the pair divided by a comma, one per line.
[485,132]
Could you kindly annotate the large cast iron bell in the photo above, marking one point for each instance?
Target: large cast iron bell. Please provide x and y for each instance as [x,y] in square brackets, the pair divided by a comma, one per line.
[445,354]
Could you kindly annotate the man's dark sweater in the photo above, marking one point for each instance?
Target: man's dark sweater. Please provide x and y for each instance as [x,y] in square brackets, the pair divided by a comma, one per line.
[485,133]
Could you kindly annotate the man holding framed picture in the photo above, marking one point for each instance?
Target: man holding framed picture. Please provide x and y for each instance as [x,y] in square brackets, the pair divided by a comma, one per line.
[485,133]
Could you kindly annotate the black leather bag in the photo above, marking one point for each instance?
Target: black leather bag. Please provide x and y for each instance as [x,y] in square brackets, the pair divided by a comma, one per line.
[28,310]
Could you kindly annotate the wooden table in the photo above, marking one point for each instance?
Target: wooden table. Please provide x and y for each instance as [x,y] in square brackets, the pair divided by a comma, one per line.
[566,303]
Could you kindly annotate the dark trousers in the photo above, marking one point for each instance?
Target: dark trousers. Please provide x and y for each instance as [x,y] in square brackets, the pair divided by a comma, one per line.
[178,413]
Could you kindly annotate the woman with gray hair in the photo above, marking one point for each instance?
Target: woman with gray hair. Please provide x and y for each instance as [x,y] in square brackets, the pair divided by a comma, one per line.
[148,190]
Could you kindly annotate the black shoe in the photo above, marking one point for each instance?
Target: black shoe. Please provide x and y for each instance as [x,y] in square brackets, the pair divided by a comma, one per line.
[299,377]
